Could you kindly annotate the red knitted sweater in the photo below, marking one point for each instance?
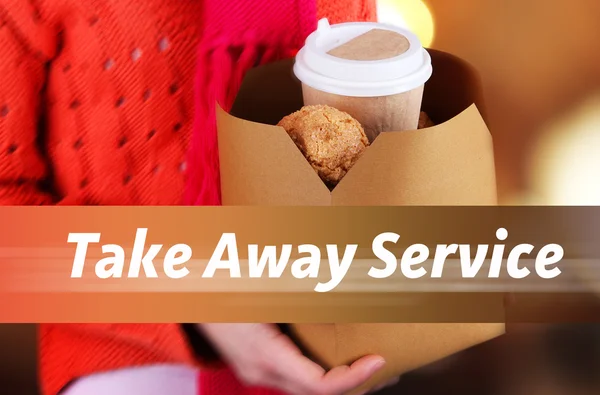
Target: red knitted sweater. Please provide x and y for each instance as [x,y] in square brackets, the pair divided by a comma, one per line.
[96,108]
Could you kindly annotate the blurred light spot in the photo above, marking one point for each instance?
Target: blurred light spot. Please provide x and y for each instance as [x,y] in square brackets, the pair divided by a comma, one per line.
[565,166]
[411,14]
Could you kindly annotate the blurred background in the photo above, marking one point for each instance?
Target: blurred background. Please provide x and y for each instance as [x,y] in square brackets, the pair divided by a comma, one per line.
[540,65]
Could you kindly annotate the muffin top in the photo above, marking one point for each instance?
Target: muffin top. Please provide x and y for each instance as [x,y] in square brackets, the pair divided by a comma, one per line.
[331,140]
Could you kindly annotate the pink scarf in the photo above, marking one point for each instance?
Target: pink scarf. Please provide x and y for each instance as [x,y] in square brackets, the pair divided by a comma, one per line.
[238,35]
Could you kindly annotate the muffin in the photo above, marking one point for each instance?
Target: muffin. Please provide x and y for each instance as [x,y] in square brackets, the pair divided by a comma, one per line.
[331,140]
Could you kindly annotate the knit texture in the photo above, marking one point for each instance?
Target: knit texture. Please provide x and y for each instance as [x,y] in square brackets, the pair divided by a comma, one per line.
[235,39]
[96,108]
[347,10]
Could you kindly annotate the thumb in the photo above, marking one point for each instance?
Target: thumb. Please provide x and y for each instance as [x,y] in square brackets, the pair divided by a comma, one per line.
[346,378]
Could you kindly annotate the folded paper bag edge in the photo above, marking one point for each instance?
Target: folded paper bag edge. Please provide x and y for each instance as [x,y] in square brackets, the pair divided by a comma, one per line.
[239,163]
[448,164]
[246,180]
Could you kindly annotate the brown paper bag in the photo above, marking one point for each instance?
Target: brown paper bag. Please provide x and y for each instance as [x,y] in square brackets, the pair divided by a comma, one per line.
[449,164]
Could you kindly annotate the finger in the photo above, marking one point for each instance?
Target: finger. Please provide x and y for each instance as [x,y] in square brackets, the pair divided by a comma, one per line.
[291,371]
[298,375]
[345,378]
[258,359]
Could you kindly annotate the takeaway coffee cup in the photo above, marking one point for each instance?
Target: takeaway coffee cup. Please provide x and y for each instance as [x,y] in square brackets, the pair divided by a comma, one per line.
[372,71]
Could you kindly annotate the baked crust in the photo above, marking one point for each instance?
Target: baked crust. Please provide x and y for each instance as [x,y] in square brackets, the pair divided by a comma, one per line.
[330,139]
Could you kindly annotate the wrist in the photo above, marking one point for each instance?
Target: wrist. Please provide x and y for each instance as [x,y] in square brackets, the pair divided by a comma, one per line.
[202,347]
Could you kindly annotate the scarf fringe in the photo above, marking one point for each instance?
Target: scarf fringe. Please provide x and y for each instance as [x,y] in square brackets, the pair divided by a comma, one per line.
[222,67]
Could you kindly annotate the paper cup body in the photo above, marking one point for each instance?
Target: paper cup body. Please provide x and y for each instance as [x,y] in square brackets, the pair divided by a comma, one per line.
[383,94]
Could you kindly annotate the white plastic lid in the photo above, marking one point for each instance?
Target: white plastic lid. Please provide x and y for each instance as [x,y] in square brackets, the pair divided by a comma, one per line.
[358,78]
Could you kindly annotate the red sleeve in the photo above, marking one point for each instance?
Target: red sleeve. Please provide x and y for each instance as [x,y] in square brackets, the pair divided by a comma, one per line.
[338,11]
[22,75]
[68,351]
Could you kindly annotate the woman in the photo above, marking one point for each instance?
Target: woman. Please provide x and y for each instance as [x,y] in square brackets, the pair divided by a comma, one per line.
[96,108]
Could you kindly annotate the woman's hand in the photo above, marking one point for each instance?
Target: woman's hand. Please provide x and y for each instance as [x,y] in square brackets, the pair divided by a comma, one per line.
[262,356]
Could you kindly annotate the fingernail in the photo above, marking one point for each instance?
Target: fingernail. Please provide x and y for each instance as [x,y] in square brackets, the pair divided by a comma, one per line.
[378,364]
